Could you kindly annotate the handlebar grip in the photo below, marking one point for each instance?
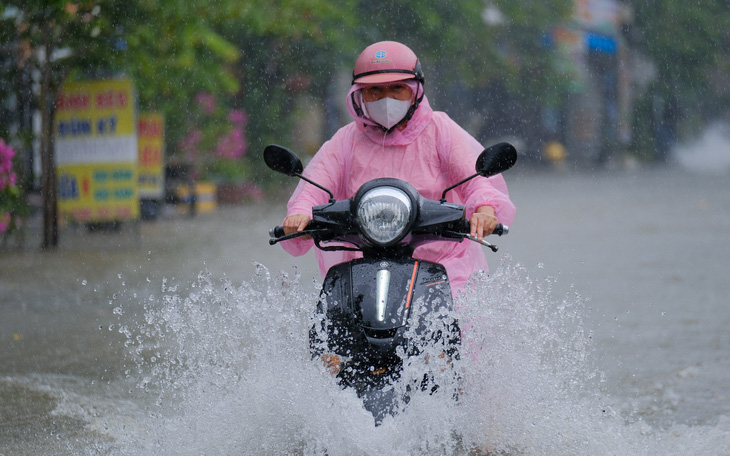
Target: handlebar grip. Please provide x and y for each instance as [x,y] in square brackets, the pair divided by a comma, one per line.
[500,229]
[276,232]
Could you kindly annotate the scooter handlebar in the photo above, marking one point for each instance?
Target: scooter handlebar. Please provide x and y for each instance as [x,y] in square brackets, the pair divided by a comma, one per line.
[500,230]
[276,232]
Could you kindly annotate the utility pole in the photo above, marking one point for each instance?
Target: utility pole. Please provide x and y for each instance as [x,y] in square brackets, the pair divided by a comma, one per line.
[48,172]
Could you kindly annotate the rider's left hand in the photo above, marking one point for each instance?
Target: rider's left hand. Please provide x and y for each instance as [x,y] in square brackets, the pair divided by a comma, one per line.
[483,222]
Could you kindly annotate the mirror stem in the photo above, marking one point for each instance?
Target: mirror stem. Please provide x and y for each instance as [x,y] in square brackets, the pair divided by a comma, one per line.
[443,195]
[332,197]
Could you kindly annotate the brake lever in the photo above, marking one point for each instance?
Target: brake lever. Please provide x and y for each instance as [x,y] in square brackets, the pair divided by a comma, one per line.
[297,234]
[493,247]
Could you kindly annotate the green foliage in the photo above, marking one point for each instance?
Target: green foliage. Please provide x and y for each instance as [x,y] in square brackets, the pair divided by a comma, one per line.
[530,69]
[690,44]
[684,38]
[78,35]
[290,48]
[12,203]
[173,52]
[454,37]
[226,170]
[259,56]
[166,46]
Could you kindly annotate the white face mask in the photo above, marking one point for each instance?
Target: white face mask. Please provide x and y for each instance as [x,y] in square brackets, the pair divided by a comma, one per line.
[386,111]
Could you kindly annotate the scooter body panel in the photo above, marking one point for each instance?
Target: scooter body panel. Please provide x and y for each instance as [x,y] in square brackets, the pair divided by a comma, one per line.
[372,310]
[368,303]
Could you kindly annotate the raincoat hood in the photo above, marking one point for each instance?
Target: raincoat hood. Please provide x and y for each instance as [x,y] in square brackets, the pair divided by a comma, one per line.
[421,117]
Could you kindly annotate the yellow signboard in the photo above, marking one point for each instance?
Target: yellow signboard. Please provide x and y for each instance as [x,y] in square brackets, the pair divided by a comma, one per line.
[151,146]
[98,192]
[96,151]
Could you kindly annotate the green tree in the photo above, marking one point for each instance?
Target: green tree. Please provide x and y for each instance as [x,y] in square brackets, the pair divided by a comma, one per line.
[261,55]
[290,48]
[173,52]
[478,55]
[166,45]
[459,38]
[53,37]
[689,44]
[685,39]
[304,46]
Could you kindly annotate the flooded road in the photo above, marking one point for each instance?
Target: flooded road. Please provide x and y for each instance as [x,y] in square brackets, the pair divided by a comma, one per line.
[641,256]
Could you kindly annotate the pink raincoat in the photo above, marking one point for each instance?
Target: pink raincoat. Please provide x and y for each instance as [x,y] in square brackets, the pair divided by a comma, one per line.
[431,153]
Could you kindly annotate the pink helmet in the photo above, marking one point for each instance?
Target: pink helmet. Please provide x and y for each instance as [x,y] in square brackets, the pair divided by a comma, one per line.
[386,61]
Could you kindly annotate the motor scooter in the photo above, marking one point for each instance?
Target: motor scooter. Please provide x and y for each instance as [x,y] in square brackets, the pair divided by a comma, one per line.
[377,312]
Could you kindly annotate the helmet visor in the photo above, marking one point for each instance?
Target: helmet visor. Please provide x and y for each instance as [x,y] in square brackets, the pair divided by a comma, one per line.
[379,78]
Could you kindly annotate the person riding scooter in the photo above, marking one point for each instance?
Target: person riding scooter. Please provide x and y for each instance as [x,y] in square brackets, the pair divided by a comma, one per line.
[396,134]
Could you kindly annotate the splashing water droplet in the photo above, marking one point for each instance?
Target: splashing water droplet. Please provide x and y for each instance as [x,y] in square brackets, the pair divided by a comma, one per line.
[229,360]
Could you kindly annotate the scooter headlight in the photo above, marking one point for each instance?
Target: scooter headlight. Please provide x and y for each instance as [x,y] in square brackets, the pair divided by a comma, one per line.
[383,214]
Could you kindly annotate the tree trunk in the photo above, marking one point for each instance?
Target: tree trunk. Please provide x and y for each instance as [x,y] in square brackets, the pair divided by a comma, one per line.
[48,166]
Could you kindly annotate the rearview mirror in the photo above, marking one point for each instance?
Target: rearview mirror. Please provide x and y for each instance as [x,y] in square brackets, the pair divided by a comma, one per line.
[492,161]
[496,159]
[282,160]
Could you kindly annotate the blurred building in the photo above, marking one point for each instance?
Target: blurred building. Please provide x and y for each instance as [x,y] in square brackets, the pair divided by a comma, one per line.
[591,123]
[598,108]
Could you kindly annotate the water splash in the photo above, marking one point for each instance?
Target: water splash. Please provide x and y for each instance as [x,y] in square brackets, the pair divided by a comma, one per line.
[227,370]
[709,153]
[531,379]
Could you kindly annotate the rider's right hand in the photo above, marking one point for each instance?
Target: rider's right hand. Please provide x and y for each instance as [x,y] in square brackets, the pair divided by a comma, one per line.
[296,222]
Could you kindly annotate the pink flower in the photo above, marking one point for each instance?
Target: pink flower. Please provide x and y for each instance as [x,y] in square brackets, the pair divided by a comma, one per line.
[6,157]
[8,181]
[7,177]
[253,191]
[206,101]
[6,152]
[232,146]
[238,117]
[190,143]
